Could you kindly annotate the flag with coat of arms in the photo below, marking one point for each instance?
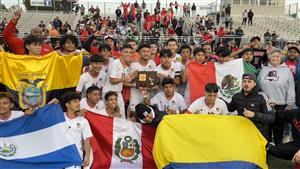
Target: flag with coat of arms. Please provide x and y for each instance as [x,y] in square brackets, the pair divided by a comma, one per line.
[119,143]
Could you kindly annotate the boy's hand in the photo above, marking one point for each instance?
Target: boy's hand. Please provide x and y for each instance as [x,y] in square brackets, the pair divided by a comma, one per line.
[86,162]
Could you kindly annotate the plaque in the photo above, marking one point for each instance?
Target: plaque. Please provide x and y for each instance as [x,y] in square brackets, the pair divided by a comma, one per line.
[146,79]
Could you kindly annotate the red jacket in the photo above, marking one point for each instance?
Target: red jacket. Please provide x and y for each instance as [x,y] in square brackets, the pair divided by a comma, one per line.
[16,45]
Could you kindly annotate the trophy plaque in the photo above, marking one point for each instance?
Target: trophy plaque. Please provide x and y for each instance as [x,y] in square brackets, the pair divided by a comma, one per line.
[146,79]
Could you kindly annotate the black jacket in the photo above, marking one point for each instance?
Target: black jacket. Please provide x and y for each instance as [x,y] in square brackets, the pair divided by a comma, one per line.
[256,102]
[293,117]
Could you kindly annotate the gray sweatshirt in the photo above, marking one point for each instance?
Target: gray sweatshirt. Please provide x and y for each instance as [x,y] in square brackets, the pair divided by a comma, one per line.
[278,84]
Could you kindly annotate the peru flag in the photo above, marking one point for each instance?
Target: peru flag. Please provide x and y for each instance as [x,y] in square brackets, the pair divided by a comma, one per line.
[119,143]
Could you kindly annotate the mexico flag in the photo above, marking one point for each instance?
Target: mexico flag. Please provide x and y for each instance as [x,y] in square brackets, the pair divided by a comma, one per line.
[119,143]
[228,76]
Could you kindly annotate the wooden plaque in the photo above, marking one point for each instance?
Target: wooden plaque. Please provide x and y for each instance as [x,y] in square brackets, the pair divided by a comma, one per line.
[146,79]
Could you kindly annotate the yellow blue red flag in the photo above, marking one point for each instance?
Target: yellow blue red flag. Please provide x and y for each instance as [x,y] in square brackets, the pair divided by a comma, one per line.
[208,142]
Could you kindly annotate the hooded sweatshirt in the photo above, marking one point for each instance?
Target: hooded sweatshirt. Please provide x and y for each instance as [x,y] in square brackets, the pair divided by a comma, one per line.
[278,84]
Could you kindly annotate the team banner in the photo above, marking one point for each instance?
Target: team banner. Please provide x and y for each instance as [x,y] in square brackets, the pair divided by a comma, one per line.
[38,141]
[32,77]
[206,141]
[119,143]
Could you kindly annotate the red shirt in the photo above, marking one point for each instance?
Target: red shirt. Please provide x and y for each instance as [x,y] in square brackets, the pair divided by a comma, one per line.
[157,59]
[94,50]
[292,66]
[17,44]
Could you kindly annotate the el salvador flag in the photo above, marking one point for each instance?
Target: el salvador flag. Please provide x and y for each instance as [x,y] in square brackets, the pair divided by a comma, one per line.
[39,141]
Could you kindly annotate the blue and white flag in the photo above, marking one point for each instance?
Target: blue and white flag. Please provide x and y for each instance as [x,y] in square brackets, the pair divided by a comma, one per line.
[39,141]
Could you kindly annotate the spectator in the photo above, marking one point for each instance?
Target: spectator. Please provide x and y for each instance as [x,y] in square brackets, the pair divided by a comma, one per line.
[228,10]
[143,6]
[193,10]
[274,37]
[82,10]
[253,104]
[244,16]
[277,81]
[247,56]
[64,4]
[267,36]
[15,44]
[118,13]
[57,23]
[42,25]
[292,61]
[239,34]
[250,17]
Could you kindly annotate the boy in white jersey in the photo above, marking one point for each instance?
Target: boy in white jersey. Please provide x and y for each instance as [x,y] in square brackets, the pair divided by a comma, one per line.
[111,108]
[118,75]
[94,77]
[105,51]
[143,64]
[168,100]
[6,104]
[92,102]
[210,104]
[78,127]
[172,45]
[167,68]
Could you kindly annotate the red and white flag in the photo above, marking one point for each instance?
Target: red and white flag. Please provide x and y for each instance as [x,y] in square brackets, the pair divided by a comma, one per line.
[119,143]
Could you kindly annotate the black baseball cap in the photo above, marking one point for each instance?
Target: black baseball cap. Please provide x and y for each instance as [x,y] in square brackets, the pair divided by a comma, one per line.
[255,37]
[249,76]
[294,47]
[142,111]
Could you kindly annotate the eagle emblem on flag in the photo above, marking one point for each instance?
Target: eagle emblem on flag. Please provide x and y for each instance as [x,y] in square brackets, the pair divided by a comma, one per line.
[127,149]
[230,86]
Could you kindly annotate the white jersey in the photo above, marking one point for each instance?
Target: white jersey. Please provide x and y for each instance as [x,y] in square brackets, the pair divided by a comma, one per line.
[199,107]
[173,71]
[14,115]
[116,70]
[96,109]
[176,103]
[79,130]
[135,95]
[177,58]
[105,68]
[86,81]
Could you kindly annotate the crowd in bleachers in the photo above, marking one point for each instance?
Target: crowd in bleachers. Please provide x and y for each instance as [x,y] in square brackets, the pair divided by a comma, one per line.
[119,48]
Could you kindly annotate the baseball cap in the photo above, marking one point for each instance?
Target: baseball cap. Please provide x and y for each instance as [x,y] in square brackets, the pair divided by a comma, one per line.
[249,76]
[294,47]
[255,37]
[108,36]
[142,111]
